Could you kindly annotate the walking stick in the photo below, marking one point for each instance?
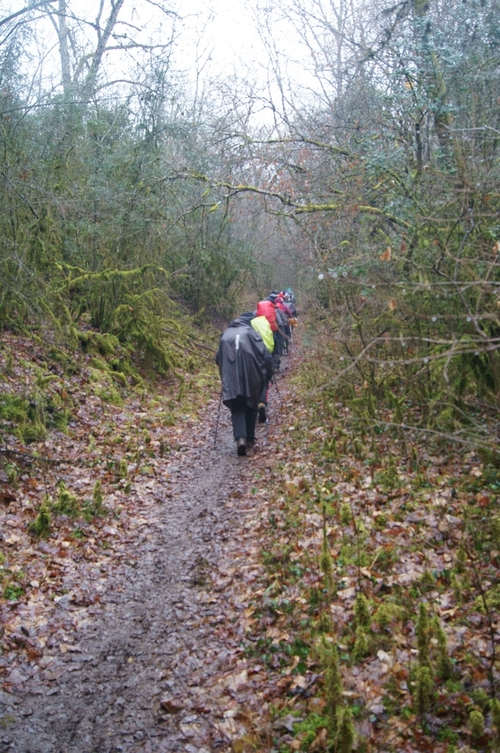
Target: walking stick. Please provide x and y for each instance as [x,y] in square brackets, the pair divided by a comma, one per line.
[218,416]
[278,393]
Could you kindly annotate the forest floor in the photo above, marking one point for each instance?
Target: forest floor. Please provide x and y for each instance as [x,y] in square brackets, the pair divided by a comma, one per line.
[335,590]
[122,630]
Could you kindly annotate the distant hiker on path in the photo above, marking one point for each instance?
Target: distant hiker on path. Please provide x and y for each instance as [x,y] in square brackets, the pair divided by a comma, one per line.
[245,368]
[284,328]
[267,308]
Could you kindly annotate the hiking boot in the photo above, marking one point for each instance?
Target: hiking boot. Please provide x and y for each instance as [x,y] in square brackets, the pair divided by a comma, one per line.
[262,413]
[241,446]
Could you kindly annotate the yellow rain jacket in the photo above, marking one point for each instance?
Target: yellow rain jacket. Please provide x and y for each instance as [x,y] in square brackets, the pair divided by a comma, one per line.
[262,326]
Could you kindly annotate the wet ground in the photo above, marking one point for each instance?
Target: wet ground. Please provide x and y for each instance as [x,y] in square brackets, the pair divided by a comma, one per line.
[157,663]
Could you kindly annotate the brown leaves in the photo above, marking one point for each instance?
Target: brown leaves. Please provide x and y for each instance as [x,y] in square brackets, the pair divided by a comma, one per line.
[246,744]
[400,551]
[170,705]
[7,496]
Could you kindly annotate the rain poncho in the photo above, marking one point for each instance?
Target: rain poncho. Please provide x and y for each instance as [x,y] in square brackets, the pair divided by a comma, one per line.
[244,363]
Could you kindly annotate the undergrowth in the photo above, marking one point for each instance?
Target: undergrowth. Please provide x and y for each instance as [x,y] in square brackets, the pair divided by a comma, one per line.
[383,558]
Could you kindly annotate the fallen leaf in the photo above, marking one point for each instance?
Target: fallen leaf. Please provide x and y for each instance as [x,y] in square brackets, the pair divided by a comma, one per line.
[170,705]
[13,539]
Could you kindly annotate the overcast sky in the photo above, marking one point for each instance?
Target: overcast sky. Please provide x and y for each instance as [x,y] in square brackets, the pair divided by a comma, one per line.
[214,40]
[227,29]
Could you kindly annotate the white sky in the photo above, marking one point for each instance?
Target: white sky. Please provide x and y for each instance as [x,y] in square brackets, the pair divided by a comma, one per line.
[216,39]
[229,34]
[223,26]
[234,35]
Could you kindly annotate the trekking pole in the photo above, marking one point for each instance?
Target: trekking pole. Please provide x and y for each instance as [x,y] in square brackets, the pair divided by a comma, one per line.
[278,393]
[218,416]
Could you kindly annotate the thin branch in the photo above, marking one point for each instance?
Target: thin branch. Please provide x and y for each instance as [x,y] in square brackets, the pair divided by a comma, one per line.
[26,9]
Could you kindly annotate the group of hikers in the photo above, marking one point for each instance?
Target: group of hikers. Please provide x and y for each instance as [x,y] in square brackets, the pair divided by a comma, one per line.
[249,354]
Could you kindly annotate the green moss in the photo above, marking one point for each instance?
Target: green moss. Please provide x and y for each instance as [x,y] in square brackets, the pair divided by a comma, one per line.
[44,380]
[40,527]
[444,665]
[332,677]
[120,377]
[461,560]
[98,363]
[309,728]
[104,388]
[95,506]
[492,598]
[96,342]
[495,714]
[387,613]
[423,634]
[13,592]
[481,698]
[67,503]
[476,723]
[362,610]
[380,522]
[98,497]
[32,432]
[495,529]
[326,565]
[13,408]
[29,417]
[361,647]
[345,514]
[345,736]
[61,420]
[388,477]
[424,689]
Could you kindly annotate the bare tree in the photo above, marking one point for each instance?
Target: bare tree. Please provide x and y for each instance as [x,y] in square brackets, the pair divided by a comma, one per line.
[96,44]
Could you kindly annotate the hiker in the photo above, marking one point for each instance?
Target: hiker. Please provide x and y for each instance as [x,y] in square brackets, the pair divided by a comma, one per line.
[267,308]
[289,298]
[261,324]
[286,305]
[284,333]
[280,334]
[245,368]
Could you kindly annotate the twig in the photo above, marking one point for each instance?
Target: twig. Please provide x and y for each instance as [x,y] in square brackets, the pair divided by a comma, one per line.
[28,455]
[191,337]
[189,350]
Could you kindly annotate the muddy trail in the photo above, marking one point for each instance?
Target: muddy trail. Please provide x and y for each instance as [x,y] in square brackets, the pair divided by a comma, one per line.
[156,662]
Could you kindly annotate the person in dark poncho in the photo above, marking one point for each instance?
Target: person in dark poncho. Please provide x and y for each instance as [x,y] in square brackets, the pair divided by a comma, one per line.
[245,368]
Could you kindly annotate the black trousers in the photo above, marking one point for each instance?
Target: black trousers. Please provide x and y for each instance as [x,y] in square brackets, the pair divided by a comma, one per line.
[280,340]
[243,418]
[263,397]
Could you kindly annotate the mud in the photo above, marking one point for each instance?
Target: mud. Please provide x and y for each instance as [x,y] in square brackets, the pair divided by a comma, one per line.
[146,669]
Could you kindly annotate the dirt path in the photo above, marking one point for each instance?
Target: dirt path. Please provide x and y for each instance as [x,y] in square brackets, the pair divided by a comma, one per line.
[157,664]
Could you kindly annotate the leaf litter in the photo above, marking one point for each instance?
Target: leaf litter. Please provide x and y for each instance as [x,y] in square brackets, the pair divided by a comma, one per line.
[191,611]
[121,618]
